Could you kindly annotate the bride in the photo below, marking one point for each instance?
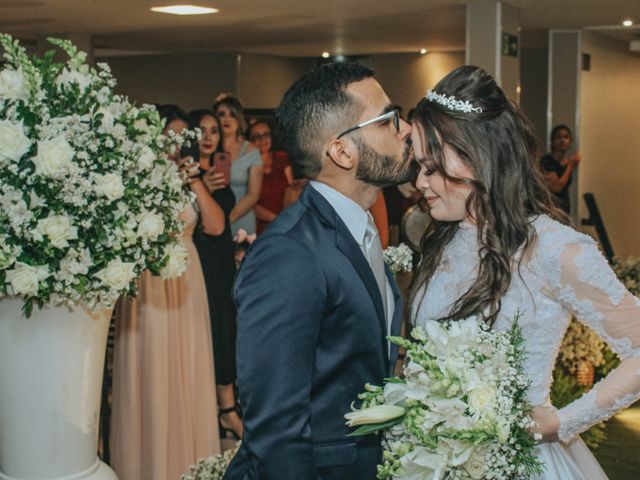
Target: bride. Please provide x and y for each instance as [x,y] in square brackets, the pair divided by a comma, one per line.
[498,246]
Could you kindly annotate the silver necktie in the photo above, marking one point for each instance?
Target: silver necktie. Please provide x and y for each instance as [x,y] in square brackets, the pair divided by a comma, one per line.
[373,251]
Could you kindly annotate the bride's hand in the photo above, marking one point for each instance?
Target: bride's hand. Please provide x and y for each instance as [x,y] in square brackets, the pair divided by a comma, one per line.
[547,424]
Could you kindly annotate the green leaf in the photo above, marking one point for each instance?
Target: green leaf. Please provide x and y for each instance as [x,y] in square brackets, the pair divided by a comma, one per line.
[374,427]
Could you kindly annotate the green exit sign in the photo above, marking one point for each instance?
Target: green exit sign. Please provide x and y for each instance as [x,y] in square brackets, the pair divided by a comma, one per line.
[509,45]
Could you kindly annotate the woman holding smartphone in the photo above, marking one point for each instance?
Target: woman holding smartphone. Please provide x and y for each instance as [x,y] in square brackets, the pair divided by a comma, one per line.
[246,163]
[216,256]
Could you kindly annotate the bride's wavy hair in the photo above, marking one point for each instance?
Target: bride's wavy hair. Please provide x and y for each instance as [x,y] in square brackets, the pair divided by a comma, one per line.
[498,145]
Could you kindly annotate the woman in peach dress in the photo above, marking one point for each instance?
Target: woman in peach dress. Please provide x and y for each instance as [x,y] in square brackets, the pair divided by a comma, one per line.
[164,397]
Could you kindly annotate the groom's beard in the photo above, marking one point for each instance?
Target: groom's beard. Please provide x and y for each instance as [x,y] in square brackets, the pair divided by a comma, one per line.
[384,170]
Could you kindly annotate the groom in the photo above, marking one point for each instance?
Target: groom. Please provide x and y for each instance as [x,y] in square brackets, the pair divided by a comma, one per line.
[314,299]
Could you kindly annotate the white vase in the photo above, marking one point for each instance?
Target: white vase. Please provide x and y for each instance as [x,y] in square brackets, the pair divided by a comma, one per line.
[51,368]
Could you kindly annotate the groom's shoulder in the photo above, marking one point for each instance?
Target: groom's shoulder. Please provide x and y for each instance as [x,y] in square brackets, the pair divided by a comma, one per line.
[301,221]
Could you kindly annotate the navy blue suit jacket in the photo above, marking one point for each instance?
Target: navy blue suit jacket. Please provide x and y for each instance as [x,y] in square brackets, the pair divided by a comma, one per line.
[311,333]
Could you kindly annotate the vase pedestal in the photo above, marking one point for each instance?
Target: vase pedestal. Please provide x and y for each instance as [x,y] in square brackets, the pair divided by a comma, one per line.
[51,367]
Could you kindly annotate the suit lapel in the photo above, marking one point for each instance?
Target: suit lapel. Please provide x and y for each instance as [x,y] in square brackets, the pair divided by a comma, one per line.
[347,245]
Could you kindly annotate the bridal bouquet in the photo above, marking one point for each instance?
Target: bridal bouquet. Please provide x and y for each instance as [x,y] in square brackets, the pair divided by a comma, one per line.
[89,199]
[460,412]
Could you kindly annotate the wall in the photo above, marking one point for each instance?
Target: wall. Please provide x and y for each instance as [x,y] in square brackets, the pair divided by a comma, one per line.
[610,143]
[406,77]
[263,79]
[193,81]
[189,80]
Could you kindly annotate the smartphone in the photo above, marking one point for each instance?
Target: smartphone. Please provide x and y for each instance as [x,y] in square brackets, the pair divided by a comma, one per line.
[222,162]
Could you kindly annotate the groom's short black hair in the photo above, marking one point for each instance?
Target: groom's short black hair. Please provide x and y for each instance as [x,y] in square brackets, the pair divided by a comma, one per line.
[315,107]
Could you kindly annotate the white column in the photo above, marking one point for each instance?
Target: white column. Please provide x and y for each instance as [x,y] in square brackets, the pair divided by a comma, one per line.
[487,25]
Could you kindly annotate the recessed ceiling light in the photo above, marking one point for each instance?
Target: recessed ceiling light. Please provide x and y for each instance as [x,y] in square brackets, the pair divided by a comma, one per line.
[627,23]
[423,51]
[184,10]
[325,55]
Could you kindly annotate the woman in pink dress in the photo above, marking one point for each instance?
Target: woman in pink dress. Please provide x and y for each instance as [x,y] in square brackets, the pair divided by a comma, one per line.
[164,396]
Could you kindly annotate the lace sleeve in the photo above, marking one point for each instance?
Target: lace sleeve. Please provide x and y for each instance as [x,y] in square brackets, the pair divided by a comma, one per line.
[588,287]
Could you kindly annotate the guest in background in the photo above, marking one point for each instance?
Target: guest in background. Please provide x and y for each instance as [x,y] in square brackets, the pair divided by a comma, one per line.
[164,395]
[277,175]
[217,259]
[379,213]
[293,191]
[246,166]
[558,166]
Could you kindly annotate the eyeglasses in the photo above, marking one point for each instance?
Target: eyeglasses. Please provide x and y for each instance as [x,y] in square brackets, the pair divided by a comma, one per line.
[393,114]
[260,136]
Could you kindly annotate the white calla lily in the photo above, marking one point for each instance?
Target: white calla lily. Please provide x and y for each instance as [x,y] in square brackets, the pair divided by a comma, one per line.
[371,415]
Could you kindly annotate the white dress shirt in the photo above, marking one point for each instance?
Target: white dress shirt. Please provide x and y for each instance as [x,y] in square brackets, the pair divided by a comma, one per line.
[356,219]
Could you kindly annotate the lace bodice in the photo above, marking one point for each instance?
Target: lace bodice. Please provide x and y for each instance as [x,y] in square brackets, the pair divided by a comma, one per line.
[565,274]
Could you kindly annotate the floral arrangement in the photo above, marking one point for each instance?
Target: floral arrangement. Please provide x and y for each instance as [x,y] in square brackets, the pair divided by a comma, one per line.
[628,271]
[459,412]
[211,468]
[398,259]
[89,198]
[580,346]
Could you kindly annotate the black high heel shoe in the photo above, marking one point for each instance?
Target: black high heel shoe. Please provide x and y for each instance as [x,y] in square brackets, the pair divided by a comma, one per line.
[224,430]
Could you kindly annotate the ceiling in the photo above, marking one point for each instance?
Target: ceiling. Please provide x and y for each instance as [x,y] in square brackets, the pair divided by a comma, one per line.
[292,27]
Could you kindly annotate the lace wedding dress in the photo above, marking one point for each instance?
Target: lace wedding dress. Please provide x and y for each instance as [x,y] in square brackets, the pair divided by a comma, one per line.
[564,274]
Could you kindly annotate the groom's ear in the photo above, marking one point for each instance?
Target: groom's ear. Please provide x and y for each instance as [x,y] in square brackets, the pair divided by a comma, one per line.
[343,153]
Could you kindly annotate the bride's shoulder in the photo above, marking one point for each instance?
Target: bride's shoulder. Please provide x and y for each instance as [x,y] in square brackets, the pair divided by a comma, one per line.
[553,237]
[547,227]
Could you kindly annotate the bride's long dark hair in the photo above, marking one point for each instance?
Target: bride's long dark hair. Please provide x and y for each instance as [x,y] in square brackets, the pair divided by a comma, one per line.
[498,145]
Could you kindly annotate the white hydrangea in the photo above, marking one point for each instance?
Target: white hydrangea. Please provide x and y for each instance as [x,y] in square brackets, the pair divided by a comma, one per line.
[68,77]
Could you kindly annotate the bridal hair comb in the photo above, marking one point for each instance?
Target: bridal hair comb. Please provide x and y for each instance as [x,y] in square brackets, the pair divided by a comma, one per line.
[452,103]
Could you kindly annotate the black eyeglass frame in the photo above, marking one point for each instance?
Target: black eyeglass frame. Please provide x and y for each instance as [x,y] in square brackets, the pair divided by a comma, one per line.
[393,114]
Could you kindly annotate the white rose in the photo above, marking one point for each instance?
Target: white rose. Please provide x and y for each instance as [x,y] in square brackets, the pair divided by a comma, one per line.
[146,159]
[475,466]
[54,158]
[25,279]
[109,186]
[59,229]
[481,398]
[68,77]
[377,414]
[151,226]
[119,131]
[178,259]
[13,142]
[117,274]
[13,85]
